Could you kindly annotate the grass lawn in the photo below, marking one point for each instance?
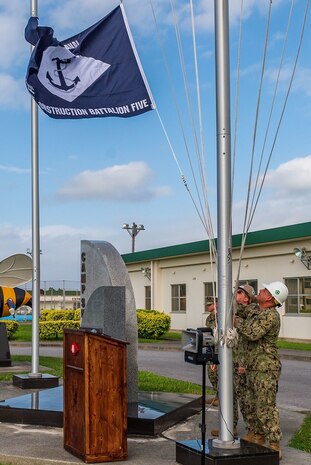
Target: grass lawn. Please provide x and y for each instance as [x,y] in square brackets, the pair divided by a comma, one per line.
[294,345]
[302,438]
[54,364]
[23,334]
[148,381]
[169,336]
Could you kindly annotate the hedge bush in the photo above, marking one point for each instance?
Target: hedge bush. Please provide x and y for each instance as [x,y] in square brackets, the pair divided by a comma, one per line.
[152,324]
[11,327]
[53,322]
[55,315]
[52,329]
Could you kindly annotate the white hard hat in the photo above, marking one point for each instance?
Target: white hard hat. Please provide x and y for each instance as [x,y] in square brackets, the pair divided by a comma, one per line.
[278,291]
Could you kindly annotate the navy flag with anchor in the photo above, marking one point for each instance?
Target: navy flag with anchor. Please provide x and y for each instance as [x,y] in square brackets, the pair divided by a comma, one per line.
[95,73]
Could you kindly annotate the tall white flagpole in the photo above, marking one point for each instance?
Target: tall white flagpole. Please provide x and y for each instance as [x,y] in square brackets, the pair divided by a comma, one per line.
[224,232]
[35,228]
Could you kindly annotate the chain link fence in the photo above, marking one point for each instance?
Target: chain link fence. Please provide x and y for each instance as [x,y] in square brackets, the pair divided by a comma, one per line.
[62,294]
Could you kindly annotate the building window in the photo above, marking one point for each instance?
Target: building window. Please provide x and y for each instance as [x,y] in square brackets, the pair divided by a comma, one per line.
[148,297]
[209,293]
[251,282]
[299,295]
[178,292]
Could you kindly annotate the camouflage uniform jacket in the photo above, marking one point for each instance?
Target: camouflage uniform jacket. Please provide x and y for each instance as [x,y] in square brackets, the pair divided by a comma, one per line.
[263,330]
[242,350]
[211,320]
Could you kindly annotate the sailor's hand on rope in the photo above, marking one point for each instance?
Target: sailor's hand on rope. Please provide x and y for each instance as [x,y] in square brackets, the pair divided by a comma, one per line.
[216,337]
[232,337]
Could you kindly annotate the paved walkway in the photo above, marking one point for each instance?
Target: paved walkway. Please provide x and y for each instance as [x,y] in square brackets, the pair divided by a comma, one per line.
[25,444]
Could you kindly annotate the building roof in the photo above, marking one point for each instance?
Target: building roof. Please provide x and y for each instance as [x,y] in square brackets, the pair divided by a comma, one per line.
[265,236]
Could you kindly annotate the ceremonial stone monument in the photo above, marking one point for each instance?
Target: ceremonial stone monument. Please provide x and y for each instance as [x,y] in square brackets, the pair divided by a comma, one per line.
[94,367]
[108,303]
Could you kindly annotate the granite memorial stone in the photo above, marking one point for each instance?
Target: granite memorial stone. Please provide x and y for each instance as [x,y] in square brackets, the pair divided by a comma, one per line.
[108,303]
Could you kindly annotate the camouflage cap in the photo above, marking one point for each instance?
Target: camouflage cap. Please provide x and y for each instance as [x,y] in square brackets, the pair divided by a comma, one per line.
[211,301]
[249,290]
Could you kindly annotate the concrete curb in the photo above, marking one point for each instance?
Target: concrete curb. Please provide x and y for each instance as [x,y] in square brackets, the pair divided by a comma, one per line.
[286,354]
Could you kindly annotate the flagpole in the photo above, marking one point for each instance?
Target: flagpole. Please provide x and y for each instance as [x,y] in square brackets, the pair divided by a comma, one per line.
[224,232]
[35,228]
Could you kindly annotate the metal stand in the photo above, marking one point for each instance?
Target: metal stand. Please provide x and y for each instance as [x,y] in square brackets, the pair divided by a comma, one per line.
[203,424]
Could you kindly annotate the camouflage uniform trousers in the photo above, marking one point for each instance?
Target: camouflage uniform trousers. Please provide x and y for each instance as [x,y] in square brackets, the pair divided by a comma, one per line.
[243,398]
[213,377]
[263,387]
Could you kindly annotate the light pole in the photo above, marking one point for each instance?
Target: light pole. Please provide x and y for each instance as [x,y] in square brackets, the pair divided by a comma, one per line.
[133,231]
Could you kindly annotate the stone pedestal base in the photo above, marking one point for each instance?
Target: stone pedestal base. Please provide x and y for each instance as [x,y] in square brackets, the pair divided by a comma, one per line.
[189,453]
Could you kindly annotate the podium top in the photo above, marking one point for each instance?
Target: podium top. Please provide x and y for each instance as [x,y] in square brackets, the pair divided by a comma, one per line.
[94,332]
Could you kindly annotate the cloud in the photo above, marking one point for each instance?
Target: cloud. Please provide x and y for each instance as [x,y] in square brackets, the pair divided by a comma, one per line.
[73,14]
[129,182]
[13,93]
[13,48]
[301,82]
[205,13]
[291,177]
[15,169]
[60,245]
[70,15]
[286,197]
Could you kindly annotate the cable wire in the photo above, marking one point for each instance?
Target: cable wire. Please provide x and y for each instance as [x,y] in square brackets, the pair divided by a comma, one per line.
[172,90]
[244,233]
[283,109]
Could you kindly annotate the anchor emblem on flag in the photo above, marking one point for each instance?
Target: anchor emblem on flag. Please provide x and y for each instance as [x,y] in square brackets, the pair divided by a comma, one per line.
[59,70]
[64,74]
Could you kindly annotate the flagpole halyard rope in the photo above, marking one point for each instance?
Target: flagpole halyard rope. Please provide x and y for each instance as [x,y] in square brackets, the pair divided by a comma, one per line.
[172,89]
[183,178]
[271,110]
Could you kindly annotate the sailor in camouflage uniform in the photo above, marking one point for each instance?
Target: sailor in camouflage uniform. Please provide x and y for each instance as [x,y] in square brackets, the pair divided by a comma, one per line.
[264,366]
[212,369]
[246,309]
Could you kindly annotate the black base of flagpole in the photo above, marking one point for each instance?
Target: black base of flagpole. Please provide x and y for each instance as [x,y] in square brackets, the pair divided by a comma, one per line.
[190,453]
[43,381]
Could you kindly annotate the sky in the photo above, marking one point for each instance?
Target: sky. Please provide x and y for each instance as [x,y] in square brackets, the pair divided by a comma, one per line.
[97,174]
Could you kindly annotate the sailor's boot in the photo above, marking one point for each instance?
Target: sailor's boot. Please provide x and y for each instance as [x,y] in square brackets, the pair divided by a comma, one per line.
[276,446]
[215,432]
[212,401]
[249,436]
[258,439]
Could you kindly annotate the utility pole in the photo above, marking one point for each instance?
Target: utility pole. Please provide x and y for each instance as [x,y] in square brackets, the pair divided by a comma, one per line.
[133,231]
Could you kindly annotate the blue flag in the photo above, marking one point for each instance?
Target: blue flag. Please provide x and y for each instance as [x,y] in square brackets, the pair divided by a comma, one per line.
[95,73]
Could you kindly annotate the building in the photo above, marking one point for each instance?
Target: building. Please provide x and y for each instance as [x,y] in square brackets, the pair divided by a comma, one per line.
[60,302]
[179,279]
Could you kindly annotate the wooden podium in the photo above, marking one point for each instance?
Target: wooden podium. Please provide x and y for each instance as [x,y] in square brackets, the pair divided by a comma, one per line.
[95,407]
